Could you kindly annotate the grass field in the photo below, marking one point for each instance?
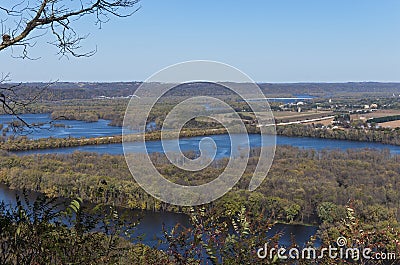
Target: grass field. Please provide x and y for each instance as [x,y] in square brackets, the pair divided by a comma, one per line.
[390,124]
[323,122]
[376,114]
[287,116]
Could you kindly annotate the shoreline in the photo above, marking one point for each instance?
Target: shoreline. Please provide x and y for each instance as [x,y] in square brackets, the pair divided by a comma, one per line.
[90,203]
[59,143]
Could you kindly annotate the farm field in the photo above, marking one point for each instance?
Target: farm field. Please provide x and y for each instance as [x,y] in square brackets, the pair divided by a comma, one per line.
[390,124]
[288,116]
[376,114]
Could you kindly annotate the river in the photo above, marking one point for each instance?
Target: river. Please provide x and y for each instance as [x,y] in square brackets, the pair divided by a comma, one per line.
[100,128]
[151,223]
[222,143]
[72,128]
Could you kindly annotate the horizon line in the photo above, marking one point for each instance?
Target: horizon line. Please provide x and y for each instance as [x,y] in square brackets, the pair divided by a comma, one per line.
[257,82]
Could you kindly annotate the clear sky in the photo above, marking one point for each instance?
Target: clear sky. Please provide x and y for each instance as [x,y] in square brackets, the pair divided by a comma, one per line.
[270,40]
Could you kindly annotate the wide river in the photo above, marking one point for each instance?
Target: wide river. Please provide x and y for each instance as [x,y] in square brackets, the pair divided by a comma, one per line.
[151,223]
[223,144]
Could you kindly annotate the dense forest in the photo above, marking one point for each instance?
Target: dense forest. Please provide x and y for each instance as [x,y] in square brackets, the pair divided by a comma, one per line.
[352,194]
[324,178]
[386,136]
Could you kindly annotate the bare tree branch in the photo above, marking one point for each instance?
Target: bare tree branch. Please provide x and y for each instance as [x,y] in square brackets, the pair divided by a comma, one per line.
[14,104]
[56,16]
[27,20]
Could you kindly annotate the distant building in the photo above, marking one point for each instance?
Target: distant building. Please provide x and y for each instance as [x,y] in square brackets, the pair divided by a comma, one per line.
[374,106]
[341,119]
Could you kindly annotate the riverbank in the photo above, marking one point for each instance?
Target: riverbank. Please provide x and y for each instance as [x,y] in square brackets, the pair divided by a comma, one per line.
[24,143]
[390,137]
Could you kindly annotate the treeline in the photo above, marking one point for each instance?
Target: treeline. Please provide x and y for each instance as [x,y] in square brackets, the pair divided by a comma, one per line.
[90,110]
[23,143]
[385,119]
[85,90]
[303,186]
[385,136]
[68,91]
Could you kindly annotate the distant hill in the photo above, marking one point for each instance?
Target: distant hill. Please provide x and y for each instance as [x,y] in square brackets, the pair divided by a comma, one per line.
[88,90]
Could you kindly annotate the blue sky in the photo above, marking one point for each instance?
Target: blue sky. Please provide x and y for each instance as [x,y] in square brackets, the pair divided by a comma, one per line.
[270,40]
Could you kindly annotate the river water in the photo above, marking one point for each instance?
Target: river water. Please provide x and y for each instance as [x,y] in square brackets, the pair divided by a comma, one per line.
[100,128]
[151,223]
[223,145]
